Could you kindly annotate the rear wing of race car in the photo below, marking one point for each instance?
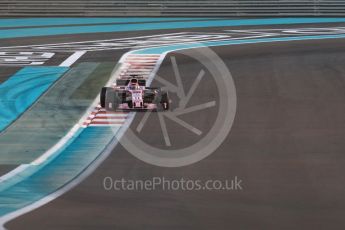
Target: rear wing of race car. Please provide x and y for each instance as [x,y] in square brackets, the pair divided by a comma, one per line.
[125,82]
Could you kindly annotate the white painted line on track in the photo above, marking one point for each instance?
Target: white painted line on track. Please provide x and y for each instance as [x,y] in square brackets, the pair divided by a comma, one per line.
[107,121]
[72,59]
[15,171]
[110,116]
[62,142]
[48,55]
[92,41]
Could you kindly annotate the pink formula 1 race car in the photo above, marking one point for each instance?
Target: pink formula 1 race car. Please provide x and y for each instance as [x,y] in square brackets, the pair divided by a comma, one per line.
[132,94]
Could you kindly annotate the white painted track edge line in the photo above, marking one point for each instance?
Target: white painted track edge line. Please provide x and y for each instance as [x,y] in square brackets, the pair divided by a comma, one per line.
[13,172]
[72,59]
[90,41]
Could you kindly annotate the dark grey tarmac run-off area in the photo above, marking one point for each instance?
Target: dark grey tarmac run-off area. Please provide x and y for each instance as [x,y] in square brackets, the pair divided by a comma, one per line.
[286,144]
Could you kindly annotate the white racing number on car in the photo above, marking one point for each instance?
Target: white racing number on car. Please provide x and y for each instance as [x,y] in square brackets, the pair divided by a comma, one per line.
[136,95]
[137,98]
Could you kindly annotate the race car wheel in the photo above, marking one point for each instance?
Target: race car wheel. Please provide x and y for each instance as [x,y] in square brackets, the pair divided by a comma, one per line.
[130,104]
[165,103]
[102,96]
[112,100]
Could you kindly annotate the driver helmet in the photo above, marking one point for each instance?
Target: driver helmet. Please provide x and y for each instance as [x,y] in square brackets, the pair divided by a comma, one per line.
[133,84]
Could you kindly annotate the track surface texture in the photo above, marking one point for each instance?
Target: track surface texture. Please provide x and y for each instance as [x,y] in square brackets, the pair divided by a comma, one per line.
[286,145]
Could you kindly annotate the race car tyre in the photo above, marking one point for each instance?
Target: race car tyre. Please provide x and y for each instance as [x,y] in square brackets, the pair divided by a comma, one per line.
[112,100]
[102,96]
[165,103]
[130,104]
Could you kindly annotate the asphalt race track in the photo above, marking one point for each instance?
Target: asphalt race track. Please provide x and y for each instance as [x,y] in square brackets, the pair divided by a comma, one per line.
[286,143]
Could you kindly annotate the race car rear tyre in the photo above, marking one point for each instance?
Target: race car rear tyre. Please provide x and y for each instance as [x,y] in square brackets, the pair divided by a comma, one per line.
[102,96]
[165,103]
